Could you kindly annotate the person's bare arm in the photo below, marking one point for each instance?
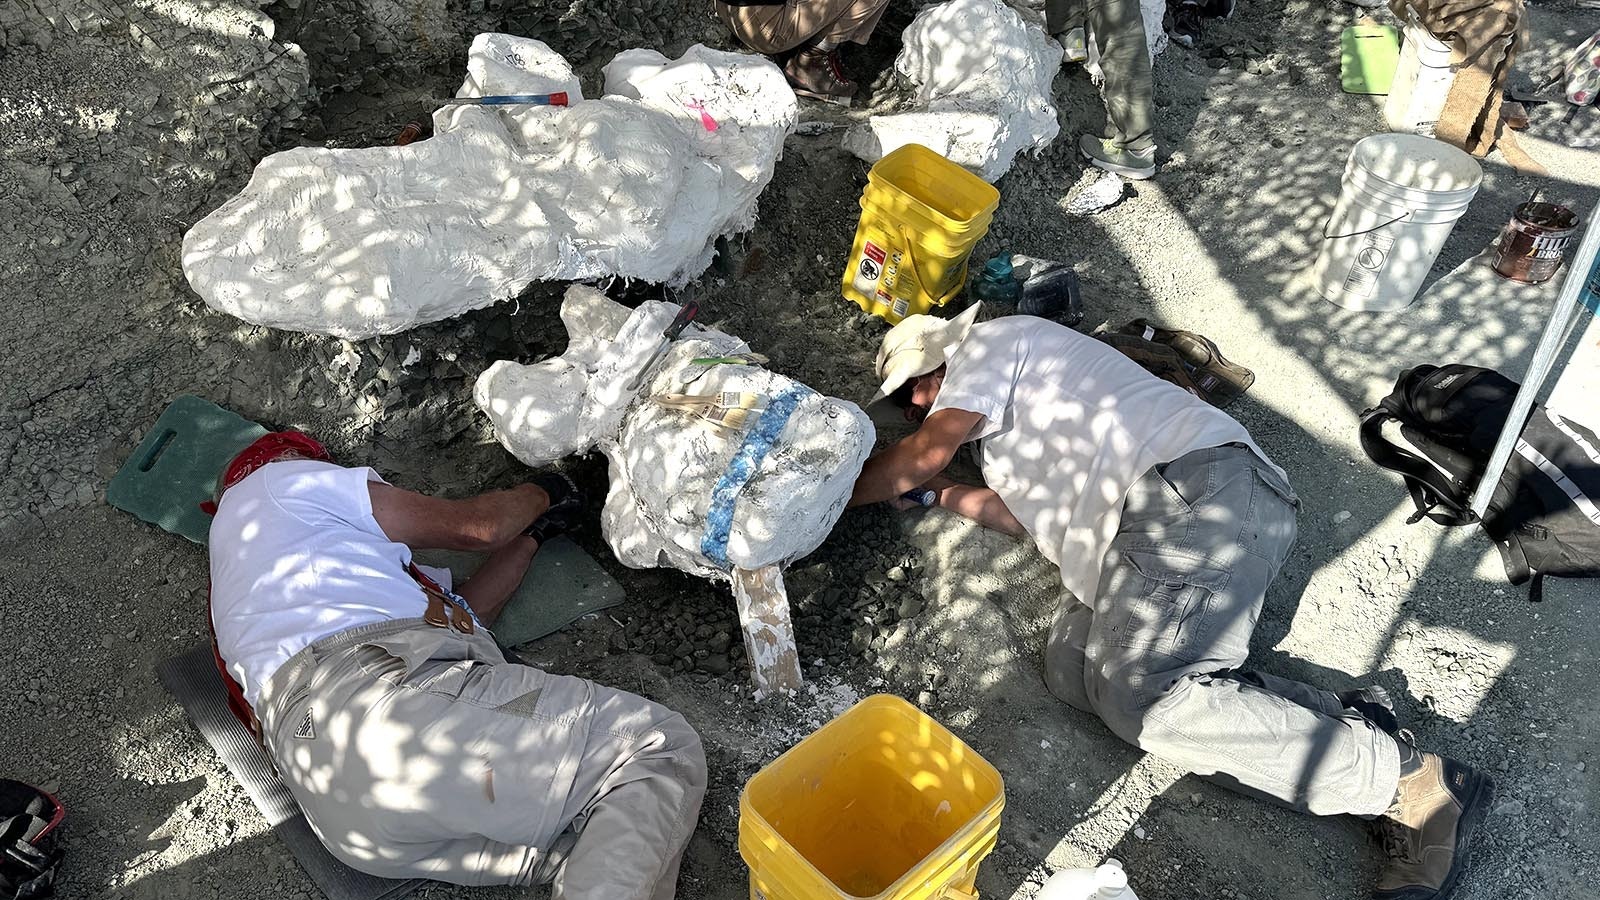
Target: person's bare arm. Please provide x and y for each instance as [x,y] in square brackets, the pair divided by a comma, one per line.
[491,587]
[485,522]
[916,458]
[980,504]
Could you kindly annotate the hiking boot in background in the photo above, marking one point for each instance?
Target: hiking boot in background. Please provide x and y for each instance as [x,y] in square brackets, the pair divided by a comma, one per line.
[1220,381]
[1107,154]
[1186,28]
[1428,831]
[817,73]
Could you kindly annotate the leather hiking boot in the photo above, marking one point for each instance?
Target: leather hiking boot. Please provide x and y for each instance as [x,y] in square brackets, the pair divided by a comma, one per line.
[1428,831]
[818,74]
[1158,359]
[1107,154]
[1220,380]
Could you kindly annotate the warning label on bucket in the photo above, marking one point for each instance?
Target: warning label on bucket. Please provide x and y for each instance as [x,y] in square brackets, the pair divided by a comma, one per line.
[869,268]
[1370,257]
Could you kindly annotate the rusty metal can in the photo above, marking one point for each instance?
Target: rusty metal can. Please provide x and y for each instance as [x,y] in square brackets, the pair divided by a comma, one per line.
[1534,241]
[411,132]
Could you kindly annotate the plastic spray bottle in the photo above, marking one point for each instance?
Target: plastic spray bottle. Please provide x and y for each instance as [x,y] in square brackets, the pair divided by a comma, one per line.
[996,283]
[1106,882]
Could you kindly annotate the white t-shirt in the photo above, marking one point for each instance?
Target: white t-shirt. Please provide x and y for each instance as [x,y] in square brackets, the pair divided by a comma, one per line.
[1069,425]
[296,556]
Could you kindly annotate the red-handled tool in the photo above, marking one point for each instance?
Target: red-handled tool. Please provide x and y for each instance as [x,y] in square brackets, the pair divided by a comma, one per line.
[681,321]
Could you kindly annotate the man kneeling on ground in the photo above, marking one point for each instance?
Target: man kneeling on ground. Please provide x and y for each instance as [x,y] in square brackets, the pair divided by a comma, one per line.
[1168,524]
[413,747]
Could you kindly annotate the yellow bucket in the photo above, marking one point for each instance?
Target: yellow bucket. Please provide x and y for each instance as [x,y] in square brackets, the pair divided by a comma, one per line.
[883,803]
[921,214]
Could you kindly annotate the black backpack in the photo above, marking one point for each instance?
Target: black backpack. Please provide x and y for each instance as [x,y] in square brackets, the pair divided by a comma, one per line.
[30,820]
[1544,516]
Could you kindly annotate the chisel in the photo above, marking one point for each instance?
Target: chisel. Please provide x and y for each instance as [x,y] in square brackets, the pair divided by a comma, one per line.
[557,99]
[679,322]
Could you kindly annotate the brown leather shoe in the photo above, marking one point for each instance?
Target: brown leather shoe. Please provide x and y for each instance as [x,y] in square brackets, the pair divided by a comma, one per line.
[1427,832]
[818,74]
[1221,381]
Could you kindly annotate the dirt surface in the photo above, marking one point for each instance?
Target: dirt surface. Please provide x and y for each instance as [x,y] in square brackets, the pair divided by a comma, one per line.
[123,122]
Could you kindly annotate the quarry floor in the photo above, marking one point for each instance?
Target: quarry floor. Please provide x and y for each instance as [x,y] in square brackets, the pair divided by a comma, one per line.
[106,154]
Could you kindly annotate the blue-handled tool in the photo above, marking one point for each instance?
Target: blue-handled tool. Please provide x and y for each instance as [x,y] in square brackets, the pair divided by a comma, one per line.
[559,98]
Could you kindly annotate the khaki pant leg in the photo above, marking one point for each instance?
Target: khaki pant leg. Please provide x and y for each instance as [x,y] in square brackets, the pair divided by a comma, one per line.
[429,756]
[1063,15]
[1118,30]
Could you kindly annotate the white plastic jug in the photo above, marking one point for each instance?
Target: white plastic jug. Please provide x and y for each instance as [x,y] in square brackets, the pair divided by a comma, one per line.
[1422,79]
[1106,882]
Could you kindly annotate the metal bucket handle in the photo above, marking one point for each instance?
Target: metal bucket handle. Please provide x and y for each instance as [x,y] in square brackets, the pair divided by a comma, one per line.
[1334,237]
[922,284]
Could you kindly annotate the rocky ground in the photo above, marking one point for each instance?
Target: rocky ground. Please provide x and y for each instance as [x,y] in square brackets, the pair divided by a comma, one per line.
[123,121]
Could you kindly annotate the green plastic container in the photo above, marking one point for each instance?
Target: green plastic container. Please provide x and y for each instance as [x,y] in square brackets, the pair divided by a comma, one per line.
[1368,54]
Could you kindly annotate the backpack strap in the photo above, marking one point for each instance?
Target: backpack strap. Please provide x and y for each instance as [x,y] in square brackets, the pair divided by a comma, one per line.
[1429,488]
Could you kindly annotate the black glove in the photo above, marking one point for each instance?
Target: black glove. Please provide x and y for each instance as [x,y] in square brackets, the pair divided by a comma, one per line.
[566,501]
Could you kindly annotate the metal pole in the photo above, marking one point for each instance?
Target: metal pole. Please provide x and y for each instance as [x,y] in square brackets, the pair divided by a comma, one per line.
[1568,304]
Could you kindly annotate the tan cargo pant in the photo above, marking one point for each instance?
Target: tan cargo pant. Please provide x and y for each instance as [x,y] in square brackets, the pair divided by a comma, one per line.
[781,27]
[1118,28]
[418,752]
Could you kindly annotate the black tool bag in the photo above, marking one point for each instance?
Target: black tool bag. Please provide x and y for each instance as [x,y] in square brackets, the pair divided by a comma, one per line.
[1544,516]
[30,822]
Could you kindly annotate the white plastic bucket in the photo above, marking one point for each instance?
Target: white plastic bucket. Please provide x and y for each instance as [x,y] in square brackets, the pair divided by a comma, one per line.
[1402,195]
[1422,79]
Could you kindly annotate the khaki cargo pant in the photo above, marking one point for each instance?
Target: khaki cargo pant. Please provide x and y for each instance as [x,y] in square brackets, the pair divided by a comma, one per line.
[781,27]
[1118,27]
[418,752]
[1160,654]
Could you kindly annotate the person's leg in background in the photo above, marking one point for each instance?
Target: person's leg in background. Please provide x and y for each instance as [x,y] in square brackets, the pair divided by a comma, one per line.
[1128,148]
[1064,20]
[812,31]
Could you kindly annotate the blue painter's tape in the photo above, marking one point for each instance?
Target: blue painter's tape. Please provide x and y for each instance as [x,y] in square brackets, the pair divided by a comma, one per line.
[742,467]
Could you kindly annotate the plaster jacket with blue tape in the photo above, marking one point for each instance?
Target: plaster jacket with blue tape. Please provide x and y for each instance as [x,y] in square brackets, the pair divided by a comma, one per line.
[756,475]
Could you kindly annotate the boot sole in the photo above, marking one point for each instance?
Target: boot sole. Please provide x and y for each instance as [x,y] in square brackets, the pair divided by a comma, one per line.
[1473,809]
[1127,172]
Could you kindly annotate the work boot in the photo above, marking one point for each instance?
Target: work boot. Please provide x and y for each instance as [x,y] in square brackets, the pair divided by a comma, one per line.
[818,74]
[1428,831]
[1374,705]
[1220,380]
[561,516]
[1107,154]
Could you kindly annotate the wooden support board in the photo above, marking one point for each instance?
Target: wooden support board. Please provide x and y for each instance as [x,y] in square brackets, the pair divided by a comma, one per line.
[768,632]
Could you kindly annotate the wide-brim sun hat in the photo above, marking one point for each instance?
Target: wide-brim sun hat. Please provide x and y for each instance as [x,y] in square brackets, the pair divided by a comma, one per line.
[917,346]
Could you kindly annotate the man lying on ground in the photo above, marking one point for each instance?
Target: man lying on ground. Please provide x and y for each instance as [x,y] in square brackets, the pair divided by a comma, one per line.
[413,747]
[1168,523]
